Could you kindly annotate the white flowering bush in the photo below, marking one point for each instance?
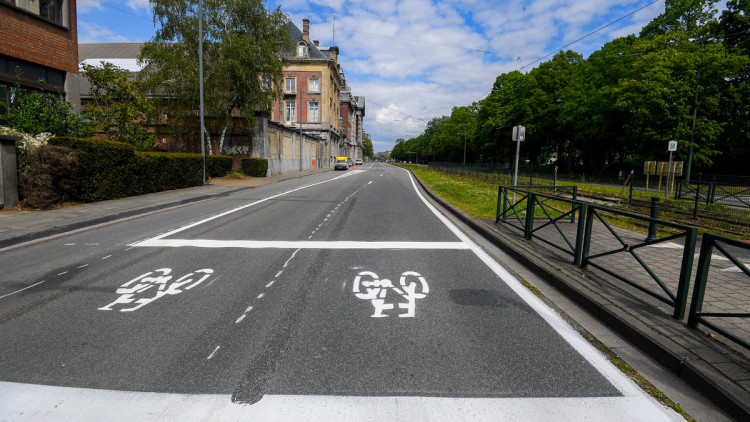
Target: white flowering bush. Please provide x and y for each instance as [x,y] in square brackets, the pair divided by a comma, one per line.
[27,141]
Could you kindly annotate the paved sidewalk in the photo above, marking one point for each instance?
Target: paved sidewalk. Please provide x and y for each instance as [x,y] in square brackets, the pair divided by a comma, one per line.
[716,367]
[23,226]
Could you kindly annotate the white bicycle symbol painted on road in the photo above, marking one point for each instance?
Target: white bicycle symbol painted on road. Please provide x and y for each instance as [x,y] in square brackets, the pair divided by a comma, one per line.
[376,291]
[150,280]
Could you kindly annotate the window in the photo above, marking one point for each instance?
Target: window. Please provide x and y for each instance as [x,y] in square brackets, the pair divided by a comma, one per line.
[289,85]
[290,115]
[265,83]
[314,85]
[301,50]
[314,114]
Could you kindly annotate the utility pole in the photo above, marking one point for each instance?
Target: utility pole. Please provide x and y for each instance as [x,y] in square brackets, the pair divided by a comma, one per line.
[200,78]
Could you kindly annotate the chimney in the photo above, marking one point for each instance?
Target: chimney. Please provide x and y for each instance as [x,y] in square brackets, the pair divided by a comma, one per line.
[306,29]
[317,43]
[334,53]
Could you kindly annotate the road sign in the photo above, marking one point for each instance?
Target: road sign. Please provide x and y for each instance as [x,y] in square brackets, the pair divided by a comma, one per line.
[672,146]
[519,133]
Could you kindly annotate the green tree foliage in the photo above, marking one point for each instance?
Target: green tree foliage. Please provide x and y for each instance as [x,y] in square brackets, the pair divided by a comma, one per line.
[39,112]
[368,149]
[242,52]
[622,104]
[117,107]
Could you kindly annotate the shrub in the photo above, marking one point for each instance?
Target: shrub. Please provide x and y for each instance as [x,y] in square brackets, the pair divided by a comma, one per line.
[218,165]
[256,167]
[46,175]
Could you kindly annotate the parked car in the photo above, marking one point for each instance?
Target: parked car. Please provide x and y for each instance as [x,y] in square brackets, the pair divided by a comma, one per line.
[341,163]
[358,161]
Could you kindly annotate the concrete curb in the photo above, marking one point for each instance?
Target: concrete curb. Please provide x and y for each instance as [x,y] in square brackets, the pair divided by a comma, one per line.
[680,361]
[80,224]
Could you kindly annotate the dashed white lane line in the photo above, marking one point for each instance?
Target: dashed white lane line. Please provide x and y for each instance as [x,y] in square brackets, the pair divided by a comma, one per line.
[240,319]
[249,308]
[278,274]
[260,296]
[28,287]
[214,352]
[83,266]
[270,284]
[62,273]
[108,256]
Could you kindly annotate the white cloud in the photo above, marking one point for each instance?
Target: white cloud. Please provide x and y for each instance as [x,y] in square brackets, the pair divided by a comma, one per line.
[139,4]
[86,6]
[91,32]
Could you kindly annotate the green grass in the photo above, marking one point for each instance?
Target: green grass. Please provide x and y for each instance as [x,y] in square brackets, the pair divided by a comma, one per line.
[235,174]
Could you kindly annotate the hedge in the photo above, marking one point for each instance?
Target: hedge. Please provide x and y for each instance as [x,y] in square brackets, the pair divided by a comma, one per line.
[109,170]
[256,167]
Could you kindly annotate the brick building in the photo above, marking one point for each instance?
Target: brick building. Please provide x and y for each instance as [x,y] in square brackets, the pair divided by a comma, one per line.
[38,47]
[312,96]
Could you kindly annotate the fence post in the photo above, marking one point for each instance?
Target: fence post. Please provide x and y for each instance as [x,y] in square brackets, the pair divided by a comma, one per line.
[630,195]
[575,198]
[683,286]
[583,208]
[587,235]
[701,278]
[529,226]
[712,190]
[655,215]
[499,200]
[697,197]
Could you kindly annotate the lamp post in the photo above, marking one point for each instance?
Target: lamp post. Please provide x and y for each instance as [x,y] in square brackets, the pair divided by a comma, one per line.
[692,131]
[200,82]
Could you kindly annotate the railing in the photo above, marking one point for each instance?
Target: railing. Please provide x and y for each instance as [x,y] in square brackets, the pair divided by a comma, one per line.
[722,244]
[677,299]
[552,209]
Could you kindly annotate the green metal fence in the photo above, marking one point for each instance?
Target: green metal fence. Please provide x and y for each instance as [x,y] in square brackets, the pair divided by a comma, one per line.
[696,316]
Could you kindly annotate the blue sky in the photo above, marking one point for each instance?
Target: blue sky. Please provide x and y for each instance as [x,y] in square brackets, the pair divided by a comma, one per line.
[416,59]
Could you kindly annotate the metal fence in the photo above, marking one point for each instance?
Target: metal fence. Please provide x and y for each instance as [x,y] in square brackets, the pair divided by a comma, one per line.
[732,283]
[659,264]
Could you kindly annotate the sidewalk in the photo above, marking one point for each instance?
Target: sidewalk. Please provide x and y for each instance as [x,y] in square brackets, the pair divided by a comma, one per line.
[714,366]
[23,226]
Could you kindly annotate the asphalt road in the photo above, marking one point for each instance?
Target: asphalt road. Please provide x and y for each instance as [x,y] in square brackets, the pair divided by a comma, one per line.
[339,296]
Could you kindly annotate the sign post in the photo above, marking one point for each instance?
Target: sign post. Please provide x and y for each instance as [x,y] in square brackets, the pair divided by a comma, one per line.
[519,134]
[671,147]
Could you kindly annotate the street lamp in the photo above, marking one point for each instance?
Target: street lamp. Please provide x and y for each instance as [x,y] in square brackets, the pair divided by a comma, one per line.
[692,131]
[200,78]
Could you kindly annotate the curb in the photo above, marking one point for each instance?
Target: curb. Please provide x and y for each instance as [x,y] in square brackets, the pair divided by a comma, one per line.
[678,360]
[68,227]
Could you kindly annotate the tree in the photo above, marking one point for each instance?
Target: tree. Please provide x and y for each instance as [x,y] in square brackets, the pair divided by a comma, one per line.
[242,52]
[118,108]
[367,147]
[39,112]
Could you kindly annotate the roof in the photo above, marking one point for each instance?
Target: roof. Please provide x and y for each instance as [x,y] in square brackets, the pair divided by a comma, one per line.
[109,50]
[296,35]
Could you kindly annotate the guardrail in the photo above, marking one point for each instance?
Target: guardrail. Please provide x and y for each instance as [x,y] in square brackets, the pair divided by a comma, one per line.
[554,209]
[697,316]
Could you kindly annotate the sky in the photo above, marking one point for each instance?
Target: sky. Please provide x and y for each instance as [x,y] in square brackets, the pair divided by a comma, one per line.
[414,60]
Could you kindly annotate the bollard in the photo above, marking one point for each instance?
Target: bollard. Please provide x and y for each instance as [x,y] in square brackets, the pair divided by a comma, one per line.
[654,214]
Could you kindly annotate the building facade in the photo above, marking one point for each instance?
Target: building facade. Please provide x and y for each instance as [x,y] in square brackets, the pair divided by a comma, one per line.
[38,48]
[311,100]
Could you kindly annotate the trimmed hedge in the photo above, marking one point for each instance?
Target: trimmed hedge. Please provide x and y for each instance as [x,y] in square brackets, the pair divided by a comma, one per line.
[109,170]
[256,167]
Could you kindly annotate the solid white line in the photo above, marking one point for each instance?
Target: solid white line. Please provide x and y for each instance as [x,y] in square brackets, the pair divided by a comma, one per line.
[41,402]
[214,352]
[205,220]
[305,244]
[22,289]
[593,356]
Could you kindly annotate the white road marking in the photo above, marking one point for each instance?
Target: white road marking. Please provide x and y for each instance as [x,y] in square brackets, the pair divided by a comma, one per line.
[626,386]
[70,244]
[205,220]
[278,274]
[270,284]
[214,352]
[240,319]
[64,272]
[305,244]
[261,295]
[108,256]
[17,291]
[41,402]
[249,308]
[84,265]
